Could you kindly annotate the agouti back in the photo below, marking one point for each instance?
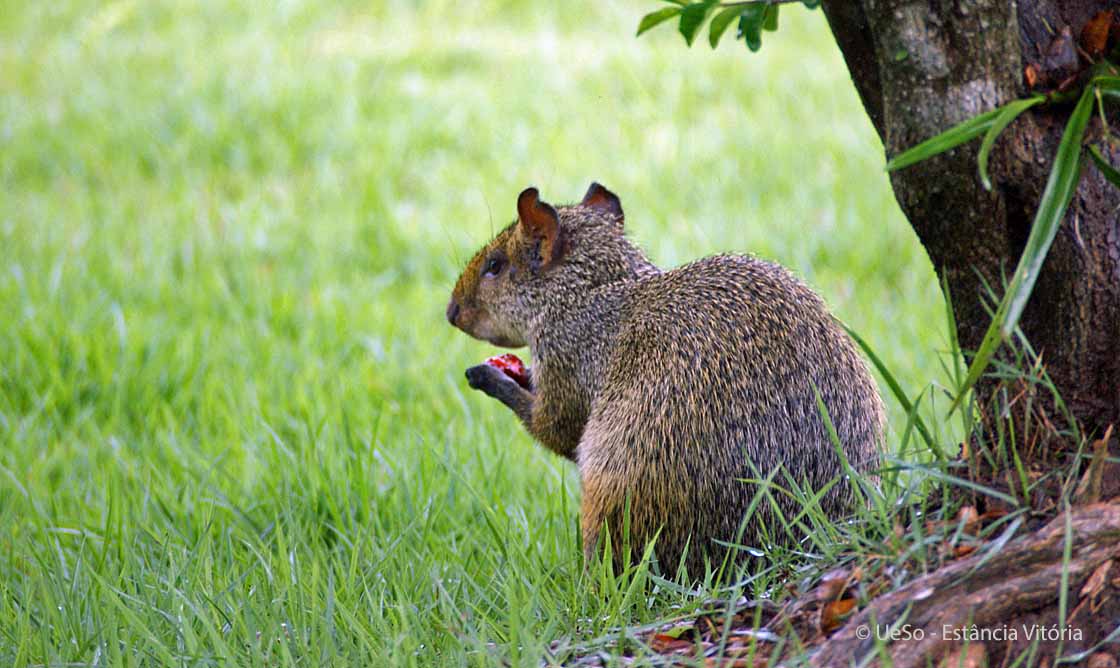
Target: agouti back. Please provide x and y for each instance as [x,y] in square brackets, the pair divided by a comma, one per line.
[667,388]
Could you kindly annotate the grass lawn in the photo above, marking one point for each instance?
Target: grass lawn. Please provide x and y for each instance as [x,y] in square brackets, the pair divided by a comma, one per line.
[233,421]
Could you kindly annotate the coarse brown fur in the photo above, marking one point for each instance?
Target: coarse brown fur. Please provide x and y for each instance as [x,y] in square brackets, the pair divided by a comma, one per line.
[667,388]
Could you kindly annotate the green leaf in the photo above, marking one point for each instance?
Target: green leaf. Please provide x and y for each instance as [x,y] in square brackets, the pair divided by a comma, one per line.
[951,138]
[750,25]
[1106,84]
[1059,190]
[656,18]
[720,22]
[1008,112]
[811,4]
[692,17]
[1105,168]
[770,21]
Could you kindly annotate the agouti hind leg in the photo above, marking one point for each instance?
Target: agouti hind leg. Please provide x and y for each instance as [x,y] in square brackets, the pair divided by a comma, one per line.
[602,504]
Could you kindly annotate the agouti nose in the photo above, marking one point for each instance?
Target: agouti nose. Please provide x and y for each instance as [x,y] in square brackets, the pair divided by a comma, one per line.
[452,311]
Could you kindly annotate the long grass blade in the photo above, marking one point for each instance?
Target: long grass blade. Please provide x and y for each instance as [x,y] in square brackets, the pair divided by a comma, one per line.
[951,138]
[1108,86]
[955,481]
[1051,210]
[1109,172]
[1008,113]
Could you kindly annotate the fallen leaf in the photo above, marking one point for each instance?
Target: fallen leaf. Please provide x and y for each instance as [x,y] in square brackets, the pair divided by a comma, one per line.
[969,518]
[663,643]
[994,514]
[1094,36]
[833,584]
[1095,583]
[834,613]
[963,551]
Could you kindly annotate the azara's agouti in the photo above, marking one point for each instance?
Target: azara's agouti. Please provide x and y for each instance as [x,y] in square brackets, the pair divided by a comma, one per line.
[668,389]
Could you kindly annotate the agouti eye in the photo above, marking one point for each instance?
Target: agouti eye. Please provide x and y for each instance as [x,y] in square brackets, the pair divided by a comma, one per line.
[493,266]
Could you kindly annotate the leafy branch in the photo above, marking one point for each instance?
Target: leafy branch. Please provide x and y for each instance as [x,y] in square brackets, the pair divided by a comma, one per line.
[754,17]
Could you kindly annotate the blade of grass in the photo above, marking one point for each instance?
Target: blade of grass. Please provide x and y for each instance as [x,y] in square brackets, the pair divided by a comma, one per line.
[1109,172]
[959,482]
[1051,210]
[951,138]
[1108,86]
[1008,113]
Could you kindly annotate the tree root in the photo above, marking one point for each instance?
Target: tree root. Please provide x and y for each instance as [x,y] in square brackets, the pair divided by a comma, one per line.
[985,591]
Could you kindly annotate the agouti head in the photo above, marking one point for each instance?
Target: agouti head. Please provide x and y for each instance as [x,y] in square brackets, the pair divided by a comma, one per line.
[546,255]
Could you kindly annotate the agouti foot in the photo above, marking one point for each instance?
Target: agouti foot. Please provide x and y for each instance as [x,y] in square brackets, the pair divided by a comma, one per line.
[486,378]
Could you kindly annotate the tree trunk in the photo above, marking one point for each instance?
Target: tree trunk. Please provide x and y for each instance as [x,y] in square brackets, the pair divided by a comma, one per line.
[923,66]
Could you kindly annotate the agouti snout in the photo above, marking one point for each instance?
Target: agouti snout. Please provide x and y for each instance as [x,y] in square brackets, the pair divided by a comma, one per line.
[668,389]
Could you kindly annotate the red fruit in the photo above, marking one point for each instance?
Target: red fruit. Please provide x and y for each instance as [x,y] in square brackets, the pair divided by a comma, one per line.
[512,366]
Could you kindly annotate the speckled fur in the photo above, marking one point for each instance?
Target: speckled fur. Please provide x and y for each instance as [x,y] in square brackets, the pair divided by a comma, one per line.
[666,386]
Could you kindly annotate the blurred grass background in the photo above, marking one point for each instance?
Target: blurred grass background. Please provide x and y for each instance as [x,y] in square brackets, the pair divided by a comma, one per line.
[233,423]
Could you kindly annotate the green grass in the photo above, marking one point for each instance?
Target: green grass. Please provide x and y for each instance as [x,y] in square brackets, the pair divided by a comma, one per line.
[233,422]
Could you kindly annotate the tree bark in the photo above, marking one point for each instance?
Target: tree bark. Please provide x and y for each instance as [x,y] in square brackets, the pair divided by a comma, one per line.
[923,66]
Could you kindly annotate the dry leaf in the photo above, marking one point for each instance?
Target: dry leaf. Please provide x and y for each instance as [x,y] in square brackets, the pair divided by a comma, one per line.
[833,584]
[969,518]
[1030,74]
[1094,36]
[834,613]
[963,551]
[663,643]
[1095,583]
[993,514]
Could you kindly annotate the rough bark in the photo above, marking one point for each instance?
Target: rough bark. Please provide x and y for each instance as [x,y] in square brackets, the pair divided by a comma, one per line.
[922,66]
[1011,591]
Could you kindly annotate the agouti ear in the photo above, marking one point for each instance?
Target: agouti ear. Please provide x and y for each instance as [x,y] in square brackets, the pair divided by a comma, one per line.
[541,224]
[600,198]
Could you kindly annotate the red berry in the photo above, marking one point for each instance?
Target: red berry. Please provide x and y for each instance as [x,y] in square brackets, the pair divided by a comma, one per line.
[512,366]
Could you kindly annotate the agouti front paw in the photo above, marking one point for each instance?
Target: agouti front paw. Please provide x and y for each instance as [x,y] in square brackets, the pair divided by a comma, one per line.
[488,379]
[511,386]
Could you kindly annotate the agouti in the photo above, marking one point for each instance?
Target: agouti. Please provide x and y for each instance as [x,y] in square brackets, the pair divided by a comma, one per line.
[668,389]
